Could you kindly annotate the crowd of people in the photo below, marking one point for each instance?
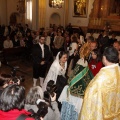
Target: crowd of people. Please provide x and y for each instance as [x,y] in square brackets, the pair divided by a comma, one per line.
[79,77]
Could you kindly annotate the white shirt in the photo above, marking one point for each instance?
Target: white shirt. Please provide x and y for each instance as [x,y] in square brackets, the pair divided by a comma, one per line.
[73,47]
[42,47]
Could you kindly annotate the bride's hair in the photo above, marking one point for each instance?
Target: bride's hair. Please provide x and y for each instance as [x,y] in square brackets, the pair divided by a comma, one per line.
[62,53]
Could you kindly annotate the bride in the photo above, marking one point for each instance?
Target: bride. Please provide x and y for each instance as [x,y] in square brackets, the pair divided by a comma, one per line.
[58,68]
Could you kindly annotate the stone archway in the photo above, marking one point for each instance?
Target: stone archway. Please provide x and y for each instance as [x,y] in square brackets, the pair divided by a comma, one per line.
[55,19]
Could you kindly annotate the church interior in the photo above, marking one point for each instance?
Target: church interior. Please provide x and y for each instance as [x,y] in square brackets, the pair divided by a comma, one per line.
[85,17]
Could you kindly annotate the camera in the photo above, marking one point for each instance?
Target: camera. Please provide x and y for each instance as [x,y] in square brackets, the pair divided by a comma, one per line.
[9,79]
[42,109]
[16,79]
[51,88]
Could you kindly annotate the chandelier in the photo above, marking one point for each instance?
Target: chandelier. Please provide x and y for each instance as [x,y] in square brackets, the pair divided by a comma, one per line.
[57,3]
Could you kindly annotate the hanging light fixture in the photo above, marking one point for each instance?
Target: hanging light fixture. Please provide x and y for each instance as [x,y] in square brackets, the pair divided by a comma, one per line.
[57,3]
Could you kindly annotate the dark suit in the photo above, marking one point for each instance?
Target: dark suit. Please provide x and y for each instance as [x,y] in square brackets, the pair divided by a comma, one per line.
[104,42]
[38,69]
[112,40]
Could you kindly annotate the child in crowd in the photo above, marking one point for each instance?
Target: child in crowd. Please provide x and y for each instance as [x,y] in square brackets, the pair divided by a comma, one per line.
[95,63]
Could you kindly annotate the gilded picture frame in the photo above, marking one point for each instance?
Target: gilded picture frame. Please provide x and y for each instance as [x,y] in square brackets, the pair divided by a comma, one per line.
[80,8]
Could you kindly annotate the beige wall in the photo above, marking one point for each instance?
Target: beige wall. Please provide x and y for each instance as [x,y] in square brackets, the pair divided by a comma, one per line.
[50,11]
[77,21]
[3,12]
[9,6]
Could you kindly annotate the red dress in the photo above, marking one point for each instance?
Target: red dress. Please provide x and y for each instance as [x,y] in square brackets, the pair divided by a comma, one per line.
[13,114]
[95,66]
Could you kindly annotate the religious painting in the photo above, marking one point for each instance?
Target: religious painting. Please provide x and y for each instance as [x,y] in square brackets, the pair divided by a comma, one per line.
[80,8]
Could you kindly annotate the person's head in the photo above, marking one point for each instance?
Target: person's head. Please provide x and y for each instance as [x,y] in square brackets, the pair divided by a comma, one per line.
[93,45]
[42,39]
[26,25]
[74,39]
[15,36]
[33,34]
[28,33]
[59,33]
[12,97]
[116,45]
[33,95]
[113,35]
[63,56]
[45,33]
[37,33]
[105,33]
[67,39]
[55,33]
[8,37]
[90,39]
[96,55]
[110,56]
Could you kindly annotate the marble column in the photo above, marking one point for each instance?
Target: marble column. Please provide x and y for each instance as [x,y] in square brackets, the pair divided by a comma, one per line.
[35,15]
[42,13]
[66,12]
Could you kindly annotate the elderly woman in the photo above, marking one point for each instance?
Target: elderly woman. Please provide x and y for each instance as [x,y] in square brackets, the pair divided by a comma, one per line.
[33,95]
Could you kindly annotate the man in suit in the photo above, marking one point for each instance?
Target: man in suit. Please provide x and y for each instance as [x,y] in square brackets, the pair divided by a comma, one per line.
[104,41]
[112,40]
[41,55]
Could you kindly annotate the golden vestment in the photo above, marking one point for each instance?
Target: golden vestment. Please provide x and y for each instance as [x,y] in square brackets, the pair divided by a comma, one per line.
[102,96]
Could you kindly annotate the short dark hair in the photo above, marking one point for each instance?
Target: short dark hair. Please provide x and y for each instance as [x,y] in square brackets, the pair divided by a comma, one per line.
[26,25]
[91,38]
[111,54]
[74,38]
[41,36]
[12,97]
